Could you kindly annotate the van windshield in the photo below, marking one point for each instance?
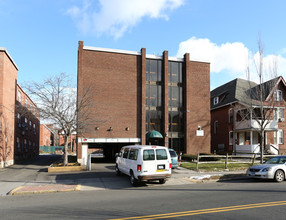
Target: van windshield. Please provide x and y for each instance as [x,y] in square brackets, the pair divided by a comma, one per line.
[148,155]
[161,154]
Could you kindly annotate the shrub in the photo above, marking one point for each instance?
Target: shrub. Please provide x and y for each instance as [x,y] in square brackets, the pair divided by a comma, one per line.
[209,158]
[189,157]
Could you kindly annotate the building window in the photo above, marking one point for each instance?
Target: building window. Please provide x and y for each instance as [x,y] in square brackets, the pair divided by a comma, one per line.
[18,145]
[25,145]
[230,116]
[175,106]
[230,139]
[281,114]
[19,119]
[279,137]
[19,97]
[279,95]
[216,100]
[27,103]
[215,127]
[30,125]
[153,95]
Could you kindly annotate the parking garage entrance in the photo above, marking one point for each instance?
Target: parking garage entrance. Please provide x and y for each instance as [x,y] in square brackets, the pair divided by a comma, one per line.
[106,148]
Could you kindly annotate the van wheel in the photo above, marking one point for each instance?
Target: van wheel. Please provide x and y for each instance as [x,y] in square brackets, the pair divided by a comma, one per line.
[162,181]
[133,180]
[117,171]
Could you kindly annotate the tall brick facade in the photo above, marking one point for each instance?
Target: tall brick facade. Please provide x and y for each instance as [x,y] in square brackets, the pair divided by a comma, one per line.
[8,82]
[132,94]
[19,119]
[27,126]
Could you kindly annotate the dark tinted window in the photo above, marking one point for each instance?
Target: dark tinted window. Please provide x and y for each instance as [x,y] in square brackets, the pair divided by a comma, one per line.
[125,153]
[173,153]
[133,154]
[161,154]
[148,155]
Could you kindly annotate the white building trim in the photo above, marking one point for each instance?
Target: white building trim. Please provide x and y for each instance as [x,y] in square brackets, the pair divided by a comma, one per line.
[5,51]
[109,140]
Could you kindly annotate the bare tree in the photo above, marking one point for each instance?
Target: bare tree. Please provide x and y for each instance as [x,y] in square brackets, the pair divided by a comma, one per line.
[5,140]
[58,104]
[262,98]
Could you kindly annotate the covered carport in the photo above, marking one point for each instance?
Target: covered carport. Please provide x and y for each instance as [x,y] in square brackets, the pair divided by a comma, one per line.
[109,146]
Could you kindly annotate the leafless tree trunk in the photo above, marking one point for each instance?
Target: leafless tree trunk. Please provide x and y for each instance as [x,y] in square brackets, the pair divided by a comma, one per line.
[5,139]
[263,103]
[58,104]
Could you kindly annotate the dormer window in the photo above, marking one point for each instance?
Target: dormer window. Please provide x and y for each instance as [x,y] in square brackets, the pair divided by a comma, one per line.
[279,95]
[216,100]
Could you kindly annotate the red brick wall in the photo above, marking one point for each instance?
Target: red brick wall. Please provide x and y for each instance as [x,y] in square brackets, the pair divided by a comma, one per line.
[114,79]
[198,107]
[118,94]
[45,136]
[222,136]
[8,76]
[27,134]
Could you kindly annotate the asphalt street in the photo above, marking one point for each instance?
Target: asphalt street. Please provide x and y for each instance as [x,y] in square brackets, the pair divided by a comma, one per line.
[32,177]
[239,199]
[106,196]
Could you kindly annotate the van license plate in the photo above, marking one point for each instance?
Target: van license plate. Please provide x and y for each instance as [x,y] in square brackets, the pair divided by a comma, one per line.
[160,170]
[161,167]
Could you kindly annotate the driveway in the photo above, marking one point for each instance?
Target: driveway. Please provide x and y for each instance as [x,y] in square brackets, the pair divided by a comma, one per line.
[101,177]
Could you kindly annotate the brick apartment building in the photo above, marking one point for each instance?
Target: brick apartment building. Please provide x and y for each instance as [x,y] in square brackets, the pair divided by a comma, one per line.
[19,127]
[47,136]
[51,136]
[234,114]
[27,127]
[137,95]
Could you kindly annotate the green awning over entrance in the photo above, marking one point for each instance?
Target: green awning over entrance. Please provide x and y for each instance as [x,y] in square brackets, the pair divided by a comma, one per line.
[154,134]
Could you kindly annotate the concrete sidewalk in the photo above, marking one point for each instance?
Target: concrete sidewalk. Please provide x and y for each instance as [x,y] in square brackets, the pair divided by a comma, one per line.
[103,177]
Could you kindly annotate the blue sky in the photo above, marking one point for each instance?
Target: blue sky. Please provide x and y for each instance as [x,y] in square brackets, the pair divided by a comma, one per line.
[42,35]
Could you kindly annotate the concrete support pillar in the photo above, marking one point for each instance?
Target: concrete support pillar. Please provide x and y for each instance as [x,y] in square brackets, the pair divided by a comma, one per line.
[84,150]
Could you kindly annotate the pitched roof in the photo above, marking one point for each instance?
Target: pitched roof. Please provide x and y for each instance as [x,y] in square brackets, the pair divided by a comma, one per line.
[243,91]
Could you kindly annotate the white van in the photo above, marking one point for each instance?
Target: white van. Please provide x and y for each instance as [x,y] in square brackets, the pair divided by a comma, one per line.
[143,163]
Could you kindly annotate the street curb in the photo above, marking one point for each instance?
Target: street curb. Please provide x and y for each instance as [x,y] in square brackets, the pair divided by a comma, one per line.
[41,189]
[219,178]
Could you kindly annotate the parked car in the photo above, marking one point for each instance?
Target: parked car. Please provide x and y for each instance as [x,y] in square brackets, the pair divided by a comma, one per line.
[274,168]
[174,158]
[144,162]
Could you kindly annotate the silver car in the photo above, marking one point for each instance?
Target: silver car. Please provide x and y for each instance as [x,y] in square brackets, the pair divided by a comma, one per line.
[274,168]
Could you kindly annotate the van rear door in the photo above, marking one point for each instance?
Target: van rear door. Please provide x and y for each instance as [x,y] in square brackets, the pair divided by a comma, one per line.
[155,161]
[162,160]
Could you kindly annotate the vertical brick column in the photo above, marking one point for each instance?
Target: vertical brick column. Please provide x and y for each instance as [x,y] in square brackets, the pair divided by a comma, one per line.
[79,72]
[165,96]
[143,96]
[187,105]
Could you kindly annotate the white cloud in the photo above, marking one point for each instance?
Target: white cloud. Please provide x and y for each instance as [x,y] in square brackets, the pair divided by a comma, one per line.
[115,17]
[230,58]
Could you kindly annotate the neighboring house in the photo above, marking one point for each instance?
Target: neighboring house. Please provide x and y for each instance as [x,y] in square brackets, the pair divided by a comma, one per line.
[47,136]
[234,115]
[143,99]
[71,142]
[19,118]
[27,127]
